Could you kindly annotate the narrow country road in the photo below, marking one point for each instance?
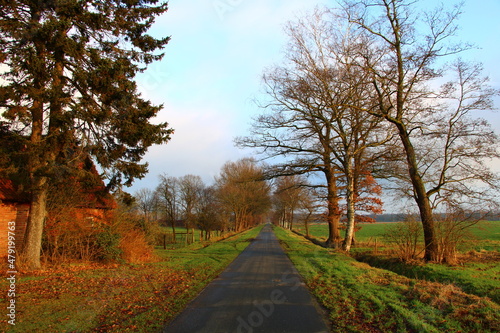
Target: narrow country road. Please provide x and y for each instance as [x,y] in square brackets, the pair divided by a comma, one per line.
[260,291]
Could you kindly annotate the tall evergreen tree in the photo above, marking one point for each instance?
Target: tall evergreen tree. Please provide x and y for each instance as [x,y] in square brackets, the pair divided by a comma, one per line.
[67,89]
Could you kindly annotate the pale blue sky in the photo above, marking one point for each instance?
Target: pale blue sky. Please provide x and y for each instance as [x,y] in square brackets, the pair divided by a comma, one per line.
[214,62]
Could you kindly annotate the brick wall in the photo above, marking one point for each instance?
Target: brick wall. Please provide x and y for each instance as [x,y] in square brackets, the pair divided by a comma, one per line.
[19,213]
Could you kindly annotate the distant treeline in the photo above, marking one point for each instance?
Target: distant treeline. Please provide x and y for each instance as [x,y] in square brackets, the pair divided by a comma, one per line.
[389,217]
[320,218]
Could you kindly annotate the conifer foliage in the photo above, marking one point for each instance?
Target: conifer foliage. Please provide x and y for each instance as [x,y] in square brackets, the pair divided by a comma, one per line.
[67,89]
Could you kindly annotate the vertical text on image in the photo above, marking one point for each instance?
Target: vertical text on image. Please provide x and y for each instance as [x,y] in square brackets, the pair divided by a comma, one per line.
[11,272]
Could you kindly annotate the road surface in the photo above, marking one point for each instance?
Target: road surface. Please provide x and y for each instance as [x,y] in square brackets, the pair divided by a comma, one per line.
[260,291]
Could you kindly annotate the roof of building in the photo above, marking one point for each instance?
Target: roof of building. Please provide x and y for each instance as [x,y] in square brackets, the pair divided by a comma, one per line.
[10,192]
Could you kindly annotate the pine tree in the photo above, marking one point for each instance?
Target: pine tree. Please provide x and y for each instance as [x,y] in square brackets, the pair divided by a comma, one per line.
[67,85]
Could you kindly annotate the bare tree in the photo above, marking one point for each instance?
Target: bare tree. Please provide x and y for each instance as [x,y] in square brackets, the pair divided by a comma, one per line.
[190,187]
[401,64]
[210,212]
[317,103]
[168,193]
[146,203]
[310,205]
[243,191]
[287,198]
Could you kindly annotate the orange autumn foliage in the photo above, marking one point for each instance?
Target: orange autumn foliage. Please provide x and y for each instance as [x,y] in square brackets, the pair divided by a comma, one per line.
[135,248]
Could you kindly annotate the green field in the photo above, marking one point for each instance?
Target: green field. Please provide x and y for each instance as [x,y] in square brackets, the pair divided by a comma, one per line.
[478,275]
[119,298]
[368,231]
[360,298]
[485,235]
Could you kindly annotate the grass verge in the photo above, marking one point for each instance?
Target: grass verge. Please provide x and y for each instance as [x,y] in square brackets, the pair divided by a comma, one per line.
[126,298]
[474,277]
[360,298]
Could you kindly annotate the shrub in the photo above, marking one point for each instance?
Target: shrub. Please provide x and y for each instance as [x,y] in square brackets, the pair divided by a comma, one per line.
[108,242]
[70,237]
[135,242]
[406,237]
[452,230]
[134,247]
[97,235]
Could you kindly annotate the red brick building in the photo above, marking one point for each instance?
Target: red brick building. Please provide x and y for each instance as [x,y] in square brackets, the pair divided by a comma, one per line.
[14,207]
[94,206]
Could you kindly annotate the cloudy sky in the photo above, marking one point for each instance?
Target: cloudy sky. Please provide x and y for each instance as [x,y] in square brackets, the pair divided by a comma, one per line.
[212,68]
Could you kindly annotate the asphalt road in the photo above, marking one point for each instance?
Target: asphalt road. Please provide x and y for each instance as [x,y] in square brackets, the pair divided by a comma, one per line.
[260,291]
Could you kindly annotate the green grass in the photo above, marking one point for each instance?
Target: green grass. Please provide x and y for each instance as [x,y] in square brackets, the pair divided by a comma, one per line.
[478,278]
[360,298]
[180,237]
[481,279]
[134,298]
[485,234]
[487,230]
[369,233]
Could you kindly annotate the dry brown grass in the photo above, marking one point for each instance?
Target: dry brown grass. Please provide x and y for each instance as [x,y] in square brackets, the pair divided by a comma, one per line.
[135,248]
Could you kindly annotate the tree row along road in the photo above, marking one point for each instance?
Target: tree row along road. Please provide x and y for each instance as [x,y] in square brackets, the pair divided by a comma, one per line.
[260,291]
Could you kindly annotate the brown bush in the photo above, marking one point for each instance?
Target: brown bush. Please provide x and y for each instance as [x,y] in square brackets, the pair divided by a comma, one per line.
[135,248]
[69,237]
[452,230]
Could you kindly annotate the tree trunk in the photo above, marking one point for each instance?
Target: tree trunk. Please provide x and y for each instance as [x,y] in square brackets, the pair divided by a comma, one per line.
[34,229]
[431,246]
[173,230]
[420,194]
[346,246]
[32,245]
[333,216]
[306,223]
[421,198]
[239,219]
[44,154]
[37,160]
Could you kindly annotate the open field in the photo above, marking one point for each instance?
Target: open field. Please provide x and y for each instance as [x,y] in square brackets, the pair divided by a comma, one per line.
[484,236]
[360,298]
[478,272]
[119,298]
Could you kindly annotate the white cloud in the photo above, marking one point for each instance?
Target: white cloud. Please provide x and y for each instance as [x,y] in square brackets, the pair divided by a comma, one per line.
[201,144]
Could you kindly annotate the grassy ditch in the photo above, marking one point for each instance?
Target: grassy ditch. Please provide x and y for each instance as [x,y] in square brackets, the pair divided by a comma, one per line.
[479,275]
[360,298]
[120,298]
